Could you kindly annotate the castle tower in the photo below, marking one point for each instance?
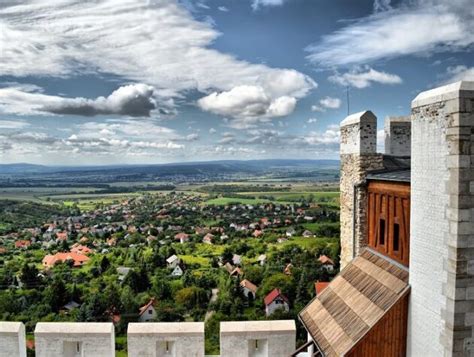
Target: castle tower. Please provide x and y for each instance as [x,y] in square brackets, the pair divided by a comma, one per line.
[358,156]
[398,136]
[441,312]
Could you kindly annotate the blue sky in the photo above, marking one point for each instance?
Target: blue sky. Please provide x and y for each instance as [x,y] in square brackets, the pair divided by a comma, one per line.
[153,81]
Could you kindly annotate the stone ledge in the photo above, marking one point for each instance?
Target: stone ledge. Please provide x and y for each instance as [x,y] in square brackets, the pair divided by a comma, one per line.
[7,327]
[166,328]
[249,327]
[75,328]
[462,89]
[358,117]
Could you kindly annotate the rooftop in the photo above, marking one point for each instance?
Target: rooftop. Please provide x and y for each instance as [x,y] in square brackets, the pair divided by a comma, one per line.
[354,302]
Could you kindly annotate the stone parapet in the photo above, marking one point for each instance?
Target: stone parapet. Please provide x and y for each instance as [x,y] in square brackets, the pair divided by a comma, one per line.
[71,339]
[258,338]
[173,339]
[12,339]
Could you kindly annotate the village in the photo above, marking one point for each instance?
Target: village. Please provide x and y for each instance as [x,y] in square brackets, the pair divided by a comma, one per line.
[170,257]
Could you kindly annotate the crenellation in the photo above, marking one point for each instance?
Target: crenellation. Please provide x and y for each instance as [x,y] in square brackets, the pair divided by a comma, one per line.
[173,339]
[12,339]
[397,132]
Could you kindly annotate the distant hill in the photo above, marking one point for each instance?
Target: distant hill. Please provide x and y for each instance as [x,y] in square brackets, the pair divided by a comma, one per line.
[179,167]
[21,175]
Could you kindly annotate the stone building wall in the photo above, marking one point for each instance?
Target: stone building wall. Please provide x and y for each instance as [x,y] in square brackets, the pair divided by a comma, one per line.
[358,156]
[441,312]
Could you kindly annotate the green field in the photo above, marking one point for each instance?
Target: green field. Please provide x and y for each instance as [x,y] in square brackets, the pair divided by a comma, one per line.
[228,200]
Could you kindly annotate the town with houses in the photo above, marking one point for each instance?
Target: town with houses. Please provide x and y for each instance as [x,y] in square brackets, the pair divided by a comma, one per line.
[169,257]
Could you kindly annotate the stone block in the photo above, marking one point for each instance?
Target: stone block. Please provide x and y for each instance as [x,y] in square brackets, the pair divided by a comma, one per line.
[258,338]
[71,339]
[167,339]
[12,339]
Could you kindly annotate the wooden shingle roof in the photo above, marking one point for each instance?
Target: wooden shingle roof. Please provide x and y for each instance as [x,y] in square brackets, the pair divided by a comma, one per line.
[354,302]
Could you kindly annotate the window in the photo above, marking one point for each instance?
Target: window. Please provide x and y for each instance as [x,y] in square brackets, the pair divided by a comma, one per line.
[382,231]
[396,237]
[150,312]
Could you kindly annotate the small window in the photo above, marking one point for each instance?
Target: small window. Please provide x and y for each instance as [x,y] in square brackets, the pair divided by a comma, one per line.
[382,231]
[150,312]
[396,237]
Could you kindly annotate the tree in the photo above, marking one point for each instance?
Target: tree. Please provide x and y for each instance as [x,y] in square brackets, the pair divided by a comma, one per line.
[227,255]
[56,295]
[29,276]
[192,297]
[104,264]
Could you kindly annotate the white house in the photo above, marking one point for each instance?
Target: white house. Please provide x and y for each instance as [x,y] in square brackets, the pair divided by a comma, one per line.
[172,261]
[308,234]
[177,271]
[326,262]
[275,300]
[147,312]
[248,288]
[236,259]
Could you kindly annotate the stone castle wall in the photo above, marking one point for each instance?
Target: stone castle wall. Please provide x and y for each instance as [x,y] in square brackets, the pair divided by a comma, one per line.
[441,316]
[358,156]
[354,170]
[172,339]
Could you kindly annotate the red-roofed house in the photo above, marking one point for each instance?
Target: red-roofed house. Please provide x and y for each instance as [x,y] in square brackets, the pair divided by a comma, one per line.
[81,249]
[326,262]
[22,243]
[147,312]
[61,236]
[182,237]
[275,300]
[208,238]
[319,286]
[78,259]
[248,288]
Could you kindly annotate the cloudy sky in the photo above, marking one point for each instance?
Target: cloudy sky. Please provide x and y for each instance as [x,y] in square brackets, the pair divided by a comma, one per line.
[153,81]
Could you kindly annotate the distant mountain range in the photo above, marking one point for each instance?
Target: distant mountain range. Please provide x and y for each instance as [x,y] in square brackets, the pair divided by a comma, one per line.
[27,175]
[179,167]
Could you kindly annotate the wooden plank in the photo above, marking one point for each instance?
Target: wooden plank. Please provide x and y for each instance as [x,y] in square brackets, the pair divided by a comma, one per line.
[359,303]
[385,278]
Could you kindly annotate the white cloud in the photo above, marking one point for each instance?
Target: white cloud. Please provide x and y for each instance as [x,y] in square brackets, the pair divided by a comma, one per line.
[312,121]
[227,138]
[212,131]
[249,103]
[459,73]
[135,100]
[192,137]
[330,137]
[256,4]
[223,9]
[415,27]
[382,5]
[155,42]
[13,124]
[326,103]
[364,77]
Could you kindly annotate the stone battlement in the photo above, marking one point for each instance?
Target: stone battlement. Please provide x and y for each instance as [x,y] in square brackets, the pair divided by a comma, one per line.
[170,339]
